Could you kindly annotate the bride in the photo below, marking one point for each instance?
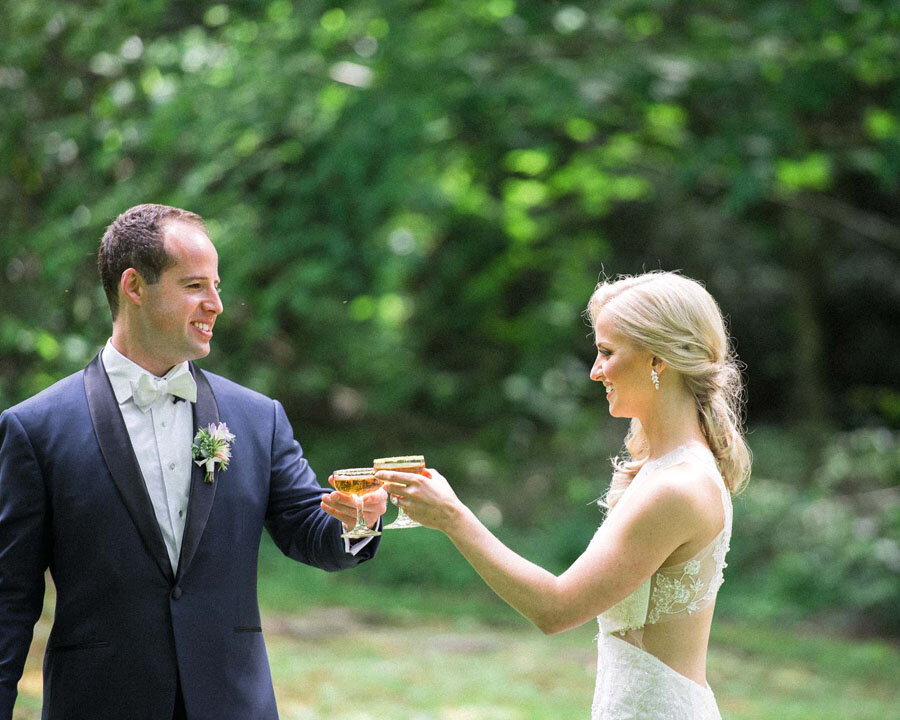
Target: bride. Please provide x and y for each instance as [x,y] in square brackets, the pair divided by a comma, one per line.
[652,570]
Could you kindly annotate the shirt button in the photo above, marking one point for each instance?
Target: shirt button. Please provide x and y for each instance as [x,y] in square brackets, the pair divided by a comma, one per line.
[164,423]
[171,466]
[181,513]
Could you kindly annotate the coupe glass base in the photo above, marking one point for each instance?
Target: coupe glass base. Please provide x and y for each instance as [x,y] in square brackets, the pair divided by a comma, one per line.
[354,534]
[401,522]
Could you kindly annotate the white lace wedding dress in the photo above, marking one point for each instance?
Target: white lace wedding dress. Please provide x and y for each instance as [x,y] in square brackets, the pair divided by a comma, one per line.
[633,684]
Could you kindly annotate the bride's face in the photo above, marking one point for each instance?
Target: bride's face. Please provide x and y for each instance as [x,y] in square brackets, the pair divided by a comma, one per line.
[623,368]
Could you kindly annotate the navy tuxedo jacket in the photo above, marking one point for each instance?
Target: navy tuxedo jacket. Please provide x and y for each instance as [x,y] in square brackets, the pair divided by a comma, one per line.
[72,498]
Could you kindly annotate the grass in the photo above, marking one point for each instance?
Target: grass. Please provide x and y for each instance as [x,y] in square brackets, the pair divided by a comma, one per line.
[351,645]
[337,665]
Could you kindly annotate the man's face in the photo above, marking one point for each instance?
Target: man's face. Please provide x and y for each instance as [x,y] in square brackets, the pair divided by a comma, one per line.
[179,311]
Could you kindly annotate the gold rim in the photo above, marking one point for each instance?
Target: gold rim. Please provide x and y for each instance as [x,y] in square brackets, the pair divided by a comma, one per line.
[353,472]
[398,461]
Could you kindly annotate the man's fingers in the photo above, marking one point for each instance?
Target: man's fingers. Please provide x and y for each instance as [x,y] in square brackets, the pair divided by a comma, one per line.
[340,507]
[344,518]
[376,496]
[340,503]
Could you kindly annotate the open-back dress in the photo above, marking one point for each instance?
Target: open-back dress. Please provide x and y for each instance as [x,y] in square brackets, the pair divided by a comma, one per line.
[632,683]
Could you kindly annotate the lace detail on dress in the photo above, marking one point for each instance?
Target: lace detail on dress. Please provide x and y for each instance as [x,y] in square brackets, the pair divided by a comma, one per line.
[685,588]
[689,587]
[629,614]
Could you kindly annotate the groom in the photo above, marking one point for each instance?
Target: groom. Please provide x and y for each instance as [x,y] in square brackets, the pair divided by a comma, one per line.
[154,562]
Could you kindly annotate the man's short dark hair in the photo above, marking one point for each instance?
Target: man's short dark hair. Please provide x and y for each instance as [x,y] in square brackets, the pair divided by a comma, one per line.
[135,240]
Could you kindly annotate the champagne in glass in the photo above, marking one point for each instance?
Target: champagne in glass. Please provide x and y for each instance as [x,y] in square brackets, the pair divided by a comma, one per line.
[401,463]
[356,482]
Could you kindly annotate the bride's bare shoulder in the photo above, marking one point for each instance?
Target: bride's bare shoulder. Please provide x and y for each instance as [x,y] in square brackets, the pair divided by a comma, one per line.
[693,484]
[687,488]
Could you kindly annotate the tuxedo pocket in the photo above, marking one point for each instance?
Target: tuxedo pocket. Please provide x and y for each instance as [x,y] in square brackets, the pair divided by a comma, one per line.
[66,647]
[247,629]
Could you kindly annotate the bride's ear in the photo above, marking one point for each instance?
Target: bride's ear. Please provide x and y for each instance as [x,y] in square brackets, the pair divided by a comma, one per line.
[659,365]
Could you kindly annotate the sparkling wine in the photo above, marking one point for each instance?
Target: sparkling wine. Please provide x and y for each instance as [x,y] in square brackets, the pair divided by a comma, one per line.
[401,463]
[355,481]
[356,486]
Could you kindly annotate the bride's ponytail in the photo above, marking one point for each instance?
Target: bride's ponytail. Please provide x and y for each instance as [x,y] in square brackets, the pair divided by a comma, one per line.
[678,321]
[719,404]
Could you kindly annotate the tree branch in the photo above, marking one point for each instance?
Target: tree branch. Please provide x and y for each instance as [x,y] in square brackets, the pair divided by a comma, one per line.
[861,222]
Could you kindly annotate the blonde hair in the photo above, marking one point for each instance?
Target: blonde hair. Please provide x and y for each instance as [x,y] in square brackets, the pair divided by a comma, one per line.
[678,321]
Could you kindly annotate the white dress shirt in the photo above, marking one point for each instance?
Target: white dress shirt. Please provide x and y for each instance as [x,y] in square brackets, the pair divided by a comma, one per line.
[161,438]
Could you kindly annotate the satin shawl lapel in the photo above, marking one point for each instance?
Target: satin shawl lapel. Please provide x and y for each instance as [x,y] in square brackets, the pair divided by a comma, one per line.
[115,445]
[206,411]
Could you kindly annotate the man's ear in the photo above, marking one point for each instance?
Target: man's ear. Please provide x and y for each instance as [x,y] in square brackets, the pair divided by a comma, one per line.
[132,286]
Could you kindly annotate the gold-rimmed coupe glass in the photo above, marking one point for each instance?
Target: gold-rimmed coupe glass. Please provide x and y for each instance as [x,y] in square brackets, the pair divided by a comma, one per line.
[401,463]
[356,482]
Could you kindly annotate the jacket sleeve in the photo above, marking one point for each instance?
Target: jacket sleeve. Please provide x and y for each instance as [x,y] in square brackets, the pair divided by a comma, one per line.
[24,553]
[294,519]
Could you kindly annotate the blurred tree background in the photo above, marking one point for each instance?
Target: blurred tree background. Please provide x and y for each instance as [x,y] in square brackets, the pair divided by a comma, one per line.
[413,200]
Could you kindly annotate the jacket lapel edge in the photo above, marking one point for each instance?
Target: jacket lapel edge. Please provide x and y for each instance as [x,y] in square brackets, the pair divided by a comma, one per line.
[202,494]
[121,461]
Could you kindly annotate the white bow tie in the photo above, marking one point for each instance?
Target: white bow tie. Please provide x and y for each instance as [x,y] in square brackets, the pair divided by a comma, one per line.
[148,389]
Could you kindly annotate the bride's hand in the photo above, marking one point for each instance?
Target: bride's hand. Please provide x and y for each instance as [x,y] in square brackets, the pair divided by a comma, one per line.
[426,498]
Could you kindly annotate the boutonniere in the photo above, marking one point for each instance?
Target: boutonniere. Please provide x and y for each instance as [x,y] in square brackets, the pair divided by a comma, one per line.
[211,447]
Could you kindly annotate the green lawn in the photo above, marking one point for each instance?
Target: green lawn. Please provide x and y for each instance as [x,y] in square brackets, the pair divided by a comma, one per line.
[345,646]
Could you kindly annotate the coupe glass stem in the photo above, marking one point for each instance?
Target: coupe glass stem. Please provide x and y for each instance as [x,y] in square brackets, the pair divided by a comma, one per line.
[360,519]
[360,524]
[401,513]
[402,521]
[360,529]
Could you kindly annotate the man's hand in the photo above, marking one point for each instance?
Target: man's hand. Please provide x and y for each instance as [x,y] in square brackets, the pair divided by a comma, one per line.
[343,507]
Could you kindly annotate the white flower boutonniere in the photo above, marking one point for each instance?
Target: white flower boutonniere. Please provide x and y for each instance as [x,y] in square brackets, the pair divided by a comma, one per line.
[211,447]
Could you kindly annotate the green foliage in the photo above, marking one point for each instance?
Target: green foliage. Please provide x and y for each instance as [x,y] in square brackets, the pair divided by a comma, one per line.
[831,549]
[450,180]
[413,201]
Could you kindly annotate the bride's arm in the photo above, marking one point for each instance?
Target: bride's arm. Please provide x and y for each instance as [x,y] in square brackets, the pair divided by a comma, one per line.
[629,547]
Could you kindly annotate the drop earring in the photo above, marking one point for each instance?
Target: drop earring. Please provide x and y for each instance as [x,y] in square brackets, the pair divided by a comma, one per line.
[654,378]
